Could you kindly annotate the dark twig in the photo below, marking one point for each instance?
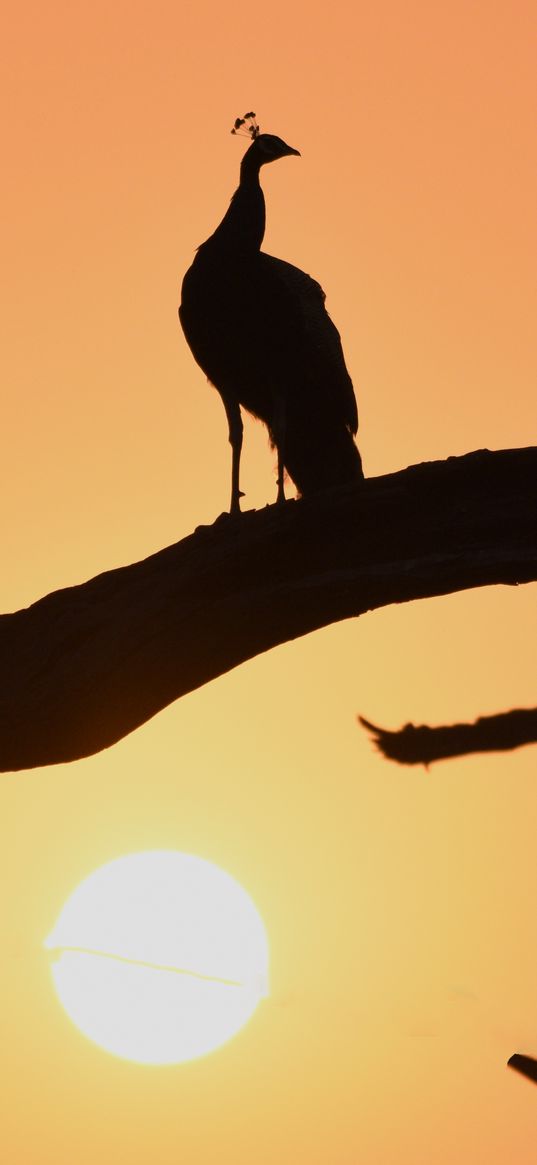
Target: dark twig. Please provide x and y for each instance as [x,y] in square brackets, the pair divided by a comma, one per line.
[524,1064]
[420,744]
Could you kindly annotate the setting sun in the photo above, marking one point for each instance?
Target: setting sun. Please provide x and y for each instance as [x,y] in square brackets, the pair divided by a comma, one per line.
[159,957]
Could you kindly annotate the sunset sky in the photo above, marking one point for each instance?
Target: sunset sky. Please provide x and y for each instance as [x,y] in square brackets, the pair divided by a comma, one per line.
[399,904]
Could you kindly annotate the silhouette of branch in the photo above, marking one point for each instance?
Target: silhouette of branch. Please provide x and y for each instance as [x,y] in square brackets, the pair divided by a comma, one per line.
[84,666]
[420,744]
[524,1064]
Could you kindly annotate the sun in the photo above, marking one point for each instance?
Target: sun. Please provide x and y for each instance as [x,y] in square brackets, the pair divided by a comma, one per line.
[159,957]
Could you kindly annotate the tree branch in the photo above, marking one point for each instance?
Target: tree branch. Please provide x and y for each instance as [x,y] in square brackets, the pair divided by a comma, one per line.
[84,666]
[524,1064]
[421,744]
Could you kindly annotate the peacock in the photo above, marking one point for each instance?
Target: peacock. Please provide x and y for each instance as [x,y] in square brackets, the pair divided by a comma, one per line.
[259,329]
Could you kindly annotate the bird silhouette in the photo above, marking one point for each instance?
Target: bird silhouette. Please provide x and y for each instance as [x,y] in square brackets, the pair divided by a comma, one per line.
[259,329]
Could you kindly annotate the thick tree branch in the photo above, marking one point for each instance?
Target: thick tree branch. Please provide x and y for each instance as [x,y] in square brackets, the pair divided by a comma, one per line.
[421,744]
[83,667]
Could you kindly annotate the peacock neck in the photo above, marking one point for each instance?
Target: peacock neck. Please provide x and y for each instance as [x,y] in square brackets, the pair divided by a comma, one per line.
[243,226]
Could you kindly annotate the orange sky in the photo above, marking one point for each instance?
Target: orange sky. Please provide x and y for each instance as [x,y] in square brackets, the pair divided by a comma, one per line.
[400,906]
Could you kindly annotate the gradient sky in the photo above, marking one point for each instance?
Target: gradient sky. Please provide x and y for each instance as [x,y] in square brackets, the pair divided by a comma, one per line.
[400,905]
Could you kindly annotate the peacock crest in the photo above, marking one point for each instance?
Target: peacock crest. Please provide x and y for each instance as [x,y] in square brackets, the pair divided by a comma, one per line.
[246,126]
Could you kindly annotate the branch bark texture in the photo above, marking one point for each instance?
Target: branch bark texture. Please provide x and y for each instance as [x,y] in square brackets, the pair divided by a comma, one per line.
[84,666]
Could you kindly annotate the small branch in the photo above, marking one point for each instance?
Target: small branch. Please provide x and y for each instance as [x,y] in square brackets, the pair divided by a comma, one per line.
[420,744]
[84,666]
[524,1064]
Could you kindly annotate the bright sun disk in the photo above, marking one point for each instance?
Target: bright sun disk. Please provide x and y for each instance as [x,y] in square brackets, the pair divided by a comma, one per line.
[159,957]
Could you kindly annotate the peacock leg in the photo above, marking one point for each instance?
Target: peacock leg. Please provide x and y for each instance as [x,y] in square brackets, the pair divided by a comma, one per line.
[278,430]
[280,497]
[234,420]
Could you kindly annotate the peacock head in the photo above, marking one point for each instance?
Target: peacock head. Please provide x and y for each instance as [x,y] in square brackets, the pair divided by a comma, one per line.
[265,147]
